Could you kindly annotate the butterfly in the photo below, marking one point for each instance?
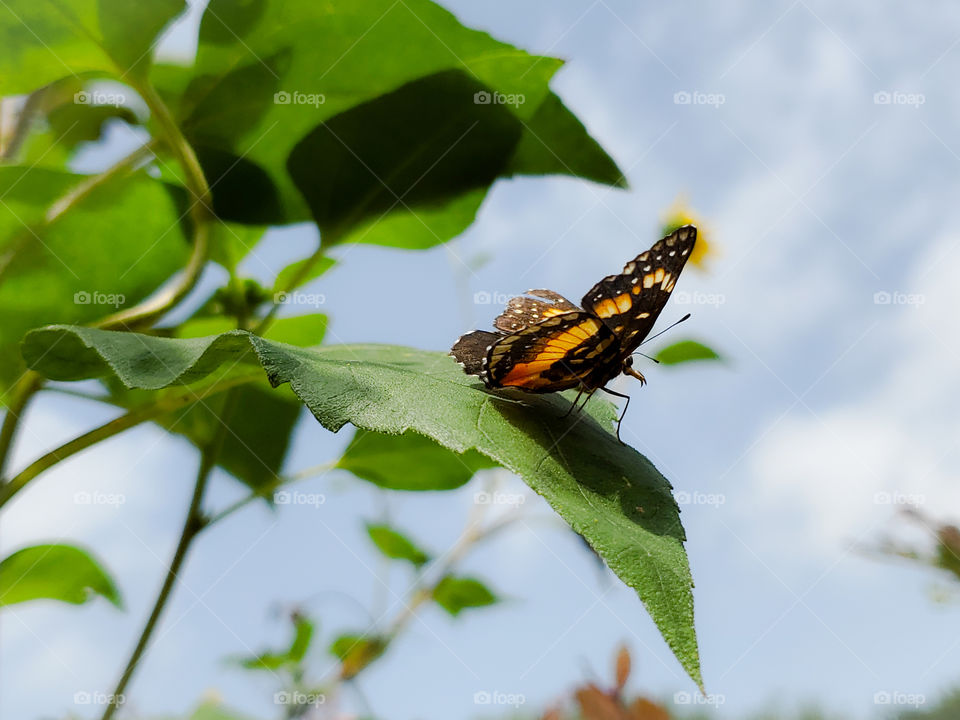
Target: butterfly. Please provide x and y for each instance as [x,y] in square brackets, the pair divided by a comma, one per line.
[544,343]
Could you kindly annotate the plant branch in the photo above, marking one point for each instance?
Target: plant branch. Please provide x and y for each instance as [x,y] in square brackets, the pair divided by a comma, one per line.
[201,213]
[114,427]
[192,525]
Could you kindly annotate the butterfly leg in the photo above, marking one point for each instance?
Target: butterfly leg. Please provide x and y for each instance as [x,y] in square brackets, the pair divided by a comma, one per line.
[623,414]
[573,404]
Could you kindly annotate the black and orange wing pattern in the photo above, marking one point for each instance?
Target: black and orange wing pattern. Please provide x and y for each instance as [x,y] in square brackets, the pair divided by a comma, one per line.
[568,350]
[527,310]
[629,303]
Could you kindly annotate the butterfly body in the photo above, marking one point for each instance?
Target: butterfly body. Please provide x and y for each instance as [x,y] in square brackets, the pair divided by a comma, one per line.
[545,343]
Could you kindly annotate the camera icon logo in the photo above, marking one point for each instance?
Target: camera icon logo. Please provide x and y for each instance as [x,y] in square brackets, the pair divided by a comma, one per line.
[281,98]
[482,97]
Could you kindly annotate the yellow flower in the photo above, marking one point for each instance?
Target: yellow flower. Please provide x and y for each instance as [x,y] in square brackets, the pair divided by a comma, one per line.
[680,214]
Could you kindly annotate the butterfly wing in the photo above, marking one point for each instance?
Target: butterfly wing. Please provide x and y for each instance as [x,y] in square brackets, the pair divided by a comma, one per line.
[471,350]
[524,311]
[567,350]
[629,303]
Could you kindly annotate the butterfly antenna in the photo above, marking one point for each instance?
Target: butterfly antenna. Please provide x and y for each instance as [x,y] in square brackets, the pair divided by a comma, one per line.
[652,337]
[647,357]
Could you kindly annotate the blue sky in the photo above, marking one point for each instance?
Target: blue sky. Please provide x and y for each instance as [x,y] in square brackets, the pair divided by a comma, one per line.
[817,196]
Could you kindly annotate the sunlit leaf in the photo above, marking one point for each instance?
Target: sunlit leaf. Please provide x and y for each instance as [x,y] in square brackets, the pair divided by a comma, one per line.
[54,572]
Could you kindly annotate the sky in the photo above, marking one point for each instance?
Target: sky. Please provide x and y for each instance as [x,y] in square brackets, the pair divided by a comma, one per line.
[831,295]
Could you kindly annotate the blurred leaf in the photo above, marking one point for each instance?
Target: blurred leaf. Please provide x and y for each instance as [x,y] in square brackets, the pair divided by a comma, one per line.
[409,461]
[455,594]
[595,704]
[112,250]
[623,667]
[54,572]
[214,710]
[555,141]
[395,545]
[604,489]
[45,41]
[685,351]
[302,330]
[356,652]
[643,709]
[231,243]
[285,278]
[258,435]
[274,660]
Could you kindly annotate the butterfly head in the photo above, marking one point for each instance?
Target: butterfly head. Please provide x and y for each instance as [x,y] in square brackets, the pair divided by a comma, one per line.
[627,369]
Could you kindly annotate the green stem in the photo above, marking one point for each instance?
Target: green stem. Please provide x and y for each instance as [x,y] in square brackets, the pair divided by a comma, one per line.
[114,427]
[192,525]
[267,491]
[201,213]
[20,395]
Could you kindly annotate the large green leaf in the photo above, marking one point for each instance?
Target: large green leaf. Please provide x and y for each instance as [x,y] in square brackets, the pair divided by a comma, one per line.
[55,572]
[113,249]
[555,141]
[410,461]
[605,490]
[316,88]
[44,40]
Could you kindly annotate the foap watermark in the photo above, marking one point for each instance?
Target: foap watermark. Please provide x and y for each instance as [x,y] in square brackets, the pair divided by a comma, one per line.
[496,697]
[96,497]
[895,297]
[699,298]
[499,498]
[284,97]
[700,498]
[299,298]
[99,97]
[298,698]
[899,498]
[483,97]
[84,297]
[898,97]
[487,297]
[897,697]
[688,698]
[685,97]
[84,697]
[292,497]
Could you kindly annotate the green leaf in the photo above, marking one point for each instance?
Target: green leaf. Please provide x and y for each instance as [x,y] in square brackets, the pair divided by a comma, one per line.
[685,351]
[45,41]
[395,545]
[303,330]
[423,144]
[605,490]
[410,461]
[274,660]
[454,594]
[54,572]
[214,710]
[356,652]
[321,60]
[116,247]
[555,141]
[290,277]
